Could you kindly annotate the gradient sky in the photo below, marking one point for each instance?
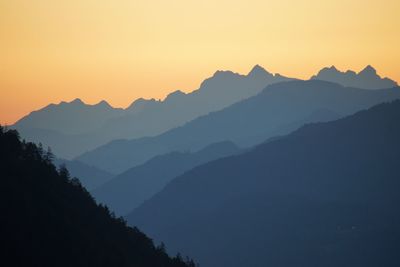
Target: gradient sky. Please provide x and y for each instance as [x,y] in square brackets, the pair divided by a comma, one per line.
[52,50]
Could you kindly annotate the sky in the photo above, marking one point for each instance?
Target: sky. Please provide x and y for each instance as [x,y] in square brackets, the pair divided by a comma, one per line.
[120,50]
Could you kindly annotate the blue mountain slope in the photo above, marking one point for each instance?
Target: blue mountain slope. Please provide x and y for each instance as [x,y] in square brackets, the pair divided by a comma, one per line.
[90,177]
[129,189]
[325,195]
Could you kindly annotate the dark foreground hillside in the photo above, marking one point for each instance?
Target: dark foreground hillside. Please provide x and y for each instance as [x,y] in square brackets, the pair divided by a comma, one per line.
[49,219]
[325,195]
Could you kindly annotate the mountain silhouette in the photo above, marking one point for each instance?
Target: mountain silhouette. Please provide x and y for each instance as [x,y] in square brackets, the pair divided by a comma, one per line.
[70,118]
[325,195]
[49,219]
[72,128]
[89,176]
[129,189]
[278,109]
[68,128]
[221,90]
[224,88]
[366,79]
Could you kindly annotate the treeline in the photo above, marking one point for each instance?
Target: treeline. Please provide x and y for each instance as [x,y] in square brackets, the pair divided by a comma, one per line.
[49,219]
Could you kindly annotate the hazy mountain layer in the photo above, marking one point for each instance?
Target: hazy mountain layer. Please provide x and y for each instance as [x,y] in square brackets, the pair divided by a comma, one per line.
[278,109]
[71,118]
[128,190]
[325,195]
[89,176]
[72,128]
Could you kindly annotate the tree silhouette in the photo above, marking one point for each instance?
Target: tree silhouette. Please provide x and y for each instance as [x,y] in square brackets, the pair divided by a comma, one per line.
[49,219]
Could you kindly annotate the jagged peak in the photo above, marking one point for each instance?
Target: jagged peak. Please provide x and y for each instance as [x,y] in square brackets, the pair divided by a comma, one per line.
[368,70]
[331,69]
[367,78]
[258,70]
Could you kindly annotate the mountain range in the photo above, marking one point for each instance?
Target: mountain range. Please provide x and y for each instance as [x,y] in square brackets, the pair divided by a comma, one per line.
[366,78]
[324,195]
[75,127]
[278,109]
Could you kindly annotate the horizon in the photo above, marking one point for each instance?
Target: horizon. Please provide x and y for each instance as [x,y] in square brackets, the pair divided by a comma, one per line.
[184,91]
[125,50]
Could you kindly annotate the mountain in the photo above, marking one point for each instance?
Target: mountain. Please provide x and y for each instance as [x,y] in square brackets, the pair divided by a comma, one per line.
[245,123]
[49,219]
[90,177]
[129,189]
[68,128]
[71,118]
[71,129]
[151,117]
[366,79]
[325,195]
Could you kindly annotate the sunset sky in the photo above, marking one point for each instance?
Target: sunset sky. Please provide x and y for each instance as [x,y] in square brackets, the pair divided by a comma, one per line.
[119,50]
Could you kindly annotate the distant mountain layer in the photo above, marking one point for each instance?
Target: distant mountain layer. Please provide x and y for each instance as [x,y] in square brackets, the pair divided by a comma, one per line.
[366,79]
[71,118]
[73,128]
[48,219]
[90,177]
[278,109]
[151,117]
[325,195]
[130,189]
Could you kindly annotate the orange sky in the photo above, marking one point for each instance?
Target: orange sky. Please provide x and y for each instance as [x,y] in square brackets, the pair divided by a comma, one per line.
[53,50]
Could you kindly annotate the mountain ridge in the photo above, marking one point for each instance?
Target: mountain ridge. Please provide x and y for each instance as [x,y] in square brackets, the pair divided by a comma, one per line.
[246,123]
[129,189]
[75,127]
[367,78]
[141,118]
